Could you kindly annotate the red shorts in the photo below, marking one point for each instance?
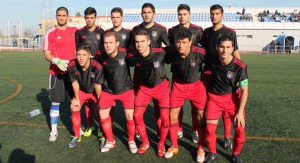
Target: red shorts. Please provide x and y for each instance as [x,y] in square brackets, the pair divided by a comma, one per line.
[206,79]
[195,92]
[107,100]
[161,93]
[84,96]
[217,103]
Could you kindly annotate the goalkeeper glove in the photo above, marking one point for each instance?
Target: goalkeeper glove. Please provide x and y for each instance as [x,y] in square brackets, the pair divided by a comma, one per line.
[61,64]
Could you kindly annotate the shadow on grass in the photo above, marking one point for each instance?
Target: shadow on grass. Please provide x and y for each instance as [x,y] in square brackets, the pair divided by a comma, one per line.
[64,109]
[19,156]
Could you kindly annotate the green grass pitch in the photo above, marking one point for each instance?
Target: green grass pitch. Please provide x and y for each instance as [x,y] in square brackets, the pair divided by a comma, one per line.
[272,111]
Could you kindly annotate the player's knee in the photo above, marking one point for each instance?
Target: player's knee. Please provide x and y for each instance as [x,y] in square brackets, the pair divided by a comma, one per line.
[129,116]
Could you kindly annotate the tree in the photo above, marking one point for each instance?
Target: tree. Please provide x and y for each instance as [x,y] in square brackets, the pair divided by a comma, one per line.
[28,32]
[77,14]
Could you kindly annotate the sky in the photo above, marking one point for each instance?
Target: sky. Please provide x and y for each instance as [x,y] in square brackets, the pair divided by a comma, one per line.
[30,11]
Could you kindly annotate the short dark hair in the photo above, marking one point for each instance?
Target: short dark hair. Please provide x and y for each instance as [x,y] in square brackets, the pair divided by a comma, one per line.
[215,7]
[182,33]
[142,32]
[183,7]
[117,9]
[148,5]
[89,11]
[107,34]
[62,9]
[85,47]
[225,38]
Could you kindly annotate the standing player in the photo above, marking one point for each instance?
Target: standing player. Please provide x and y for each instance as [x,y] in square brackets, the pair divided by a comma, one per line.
[158,35]
[149,68]
[86,76]
[228,92]
[186,65]
[183,11]
[209,41]
[117,86]
[93,36]
[59,49]
[125,35]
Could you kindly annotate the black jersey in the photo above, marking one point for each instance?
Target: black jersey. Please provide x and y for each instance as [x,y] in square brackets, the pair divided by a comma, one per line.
[157,32]
[189,69]
[209,41]
[116,72]
[226,78]
[150,69]
[125,37]
[94,38]
[196,31]
[88,78]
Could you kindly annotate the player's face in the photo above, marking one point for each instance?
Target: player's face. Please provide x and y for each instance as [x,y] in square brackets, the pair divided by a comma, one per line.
[216,16]
[116,19]
[225,49]
[148,15]
[111,45]
[184,16]
[61,18]
[183,45]
[142,43]
[90,20]
[83,57]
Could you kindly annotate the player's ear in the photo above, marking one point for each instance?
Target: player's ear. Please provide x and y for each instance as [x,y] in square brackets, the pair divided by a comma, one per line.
[118,43]
[149,41]
[154,15]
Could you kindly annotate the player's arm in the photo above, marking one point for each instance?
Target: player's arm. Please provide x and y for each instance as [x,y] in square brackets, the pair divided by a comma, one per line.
[236,49]
[236,53]
[239,117]
[48,56]
[98,90]
[165,37]
[75,102]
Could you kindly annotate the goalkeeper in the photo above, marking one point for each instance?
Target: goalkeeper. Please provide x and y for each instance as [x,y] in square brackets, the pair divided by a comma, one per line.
[59,49]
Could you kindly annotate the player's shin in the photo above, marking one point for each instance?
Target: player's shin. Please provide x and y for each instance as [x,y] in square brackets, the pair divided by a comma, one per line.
[238,139]
[54,113]
[139,123]
[107,128]
[164,129]
[76,120]
[211,137]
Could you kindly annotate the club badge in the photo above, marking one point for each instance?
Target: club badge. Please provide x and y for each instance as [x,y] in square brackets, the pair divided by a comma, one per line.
[229,75]
[121,62]
[72,34]
[156,64]
[193,63]
[124,36]
[98,36]
[154,33]
[92,75]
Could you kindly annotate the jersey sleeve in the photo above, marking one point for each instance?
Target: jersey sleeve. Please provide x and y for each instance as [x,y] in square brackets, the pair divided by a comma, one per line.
[202,40]
[130,59]
[99,76]
[165,38]
[199,37]
[71,75]
[48,43]
[77,39]
[168,56]
[171,39]
[235,41]
[243,76]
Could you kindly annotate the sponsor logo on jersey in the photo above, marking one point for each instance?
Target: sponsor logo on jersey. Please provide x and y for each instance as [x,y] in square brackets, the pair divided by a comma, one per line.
[156,64]
[121,62]
[193,63]
[72,34]
[154,33]
[229,75]
[58,37]
[92,75]
[123,36]
[98,36]
[83,37]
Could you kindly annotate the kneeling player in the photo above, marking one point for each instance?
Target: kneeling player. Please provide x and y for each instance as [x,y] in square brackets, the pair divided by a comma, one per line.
[229,93]
[117,86]
[186,65]
[149,66]
[86,76]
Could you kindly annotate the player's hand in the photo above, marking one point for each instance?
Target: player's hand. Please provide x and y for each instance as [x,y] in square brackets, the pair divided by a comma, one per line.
[240,119]
[61,64]
[75,104]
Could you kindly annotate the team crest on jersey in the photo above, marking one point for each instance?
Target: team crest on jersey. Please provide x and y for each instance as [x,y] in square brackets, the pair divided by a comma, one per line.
[72,34]
[193,63]
[229,75]
[156,64]
[154,33]
[121,62]
[98,36]
[92,75]
[123,36]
